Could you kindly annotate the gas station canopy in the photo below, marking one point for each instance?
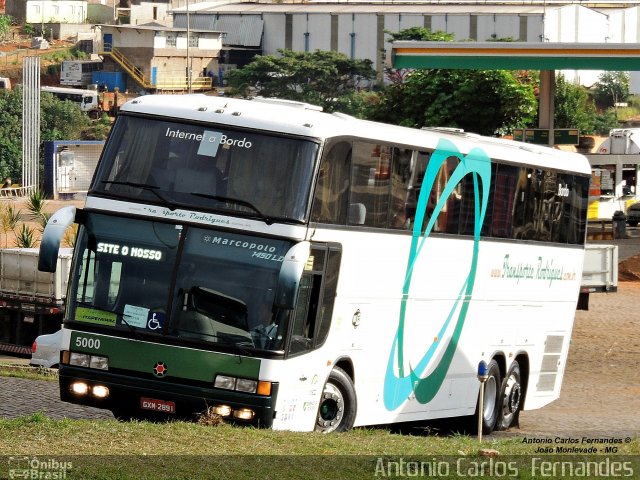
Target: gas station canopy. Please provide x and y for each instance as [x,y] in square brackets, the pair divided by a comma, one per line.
[516,55]
[546,57]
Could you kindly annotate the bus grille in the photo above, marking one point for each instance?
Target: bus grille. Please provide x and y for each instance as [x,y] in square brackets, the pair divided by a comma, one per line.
[550,363]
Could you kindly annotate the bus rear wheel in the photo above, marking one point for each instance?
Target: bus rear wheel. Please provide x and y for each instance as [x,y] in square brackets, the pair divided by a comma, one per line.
[491,400]
[337,409]
[510,398]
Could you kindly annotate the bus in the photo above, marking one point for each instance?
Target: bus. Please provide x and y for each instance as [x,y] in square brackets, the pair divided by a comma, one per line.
[87,100]
[79,73]
[283,267]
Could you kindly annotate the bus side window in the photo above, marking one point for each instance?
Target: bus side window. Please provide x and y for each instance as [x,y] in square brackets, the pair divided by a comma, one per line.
[504,198]
[305,313]
[330,203]
[370,183]
[419,162]
[401,175]
[448,217]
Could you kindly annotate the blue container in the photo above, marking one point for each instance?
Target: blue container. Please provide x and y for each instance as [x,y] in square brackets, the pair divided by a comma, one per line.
[110,80]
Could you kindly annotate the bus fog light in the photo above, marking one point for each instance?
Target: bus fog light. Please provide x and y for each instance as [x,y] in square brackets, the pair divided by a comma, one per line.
[79,388]
[248,386]
[100,391]
[79,359]
[243,414]
[101,363]
[222,410]
[223,381]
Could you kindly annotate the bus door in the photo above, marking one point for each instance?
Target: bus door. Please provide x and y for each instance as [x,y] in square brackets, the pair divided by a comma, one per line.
[307,364]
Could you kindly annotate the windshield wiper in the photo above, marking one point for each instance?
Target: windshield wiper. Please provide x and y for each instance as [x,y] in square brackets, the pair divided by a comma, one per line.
[237,201]
[143,186]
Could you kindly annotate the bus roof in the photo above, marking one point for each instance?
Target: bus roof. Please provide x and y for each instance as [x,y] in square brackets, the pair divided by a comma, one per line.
[297,118]
[78,91]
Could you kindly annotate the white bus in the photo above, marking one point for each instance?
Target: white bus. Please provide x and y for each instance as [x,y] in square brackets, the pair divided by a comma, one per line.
[78,73]
[298,270]
[87,100]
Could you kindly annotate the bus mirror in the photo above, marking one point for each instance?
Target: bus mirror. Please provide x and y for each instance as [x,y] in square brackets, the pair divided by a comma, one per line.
[290,274]
[52,236]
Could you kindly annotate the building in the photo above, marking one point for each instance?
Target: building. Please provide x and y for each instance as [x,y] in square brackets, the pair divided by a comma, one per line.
[358,29]
[154,57]
[47,11]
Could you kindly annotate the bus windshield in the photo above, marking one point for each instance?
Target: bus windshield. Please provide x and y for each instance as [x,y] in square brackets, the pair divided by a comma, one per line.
[184,282]
[205,167]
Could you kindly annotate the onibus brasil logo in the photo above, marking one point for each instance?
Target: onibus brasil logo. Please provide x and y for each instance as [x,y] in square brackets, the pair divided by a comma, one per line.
[398,386]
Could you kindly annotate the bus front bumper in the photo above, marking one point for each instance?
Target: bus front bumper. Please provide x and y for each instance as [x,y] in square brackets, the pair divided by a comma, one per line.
[135,397]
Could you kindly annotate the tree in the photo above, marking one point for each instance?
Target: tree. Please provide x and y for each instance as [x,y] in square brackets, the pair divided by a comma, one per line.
[319,77]
[611,88]
[52,110]
[5,26]
[11,134]
[421,33]
[58,121]
[481,101]
[572,108]
[394,75]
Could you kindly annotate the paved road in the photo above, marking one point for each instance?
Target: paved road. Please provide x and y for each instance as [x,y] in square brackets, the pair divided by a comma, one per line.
[19,396]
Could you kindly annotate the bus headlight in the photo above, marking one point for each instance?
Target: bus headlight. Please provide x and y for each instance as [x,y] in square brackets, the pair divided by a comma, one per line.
[100,391]
[79,388]
[223,381]
[243,413]
[101,363]
[89,361]
[244,385]
[222,410]
[79,359]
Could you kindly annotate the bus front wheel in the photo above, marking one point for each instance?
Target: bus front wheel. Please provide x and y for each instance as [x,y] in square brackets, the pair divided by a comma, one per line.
[510,398]
[337,409]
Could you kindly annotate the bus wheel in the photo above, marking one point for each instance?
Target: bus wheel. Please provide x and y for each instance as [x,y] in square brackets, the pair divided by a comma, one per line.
[491,403]
[337,410]
[510,398]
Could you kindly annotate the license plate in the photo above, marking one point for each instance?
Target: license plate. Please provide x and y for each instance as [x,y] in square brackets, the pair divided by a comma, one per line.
[156,405]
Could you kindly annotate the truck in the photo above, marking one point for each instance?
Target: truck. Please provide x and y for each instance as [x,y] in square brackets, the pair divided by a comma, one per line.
[600,272]
[615,178]
[79,73]
[31,302]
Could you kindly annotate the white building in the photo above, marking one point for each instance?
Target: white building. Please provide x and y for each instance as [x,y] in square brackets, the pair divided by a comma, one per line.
[47,11]
[358,29]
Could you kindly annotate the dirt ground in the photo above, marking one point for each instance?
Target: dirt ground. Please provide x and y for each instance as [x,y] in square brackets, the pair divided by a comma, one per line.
[601,389]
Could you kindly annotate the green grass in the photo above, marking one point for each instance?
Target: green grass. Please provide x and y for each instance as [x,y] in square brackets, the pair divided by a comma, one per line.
[110,449]
[26,371]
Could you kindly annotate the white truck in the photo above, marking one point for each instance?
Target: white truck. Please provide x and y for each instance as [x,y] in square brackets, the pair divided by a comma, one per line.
[31,302]
[599,273]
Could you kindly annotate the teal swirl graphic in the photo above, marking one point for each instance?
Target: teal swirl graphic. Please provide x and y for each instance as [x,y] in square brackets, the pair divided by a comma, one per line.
[398,387]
